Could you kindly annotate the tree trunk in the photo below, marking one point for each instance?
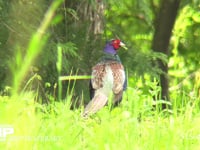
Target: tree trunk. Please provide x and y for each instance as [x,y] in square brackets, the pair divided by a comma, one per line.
[163,29]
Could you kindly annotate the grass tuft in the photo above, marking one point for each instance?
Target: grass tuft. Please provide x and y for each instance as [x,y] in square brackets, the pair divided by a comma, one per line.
[58,127]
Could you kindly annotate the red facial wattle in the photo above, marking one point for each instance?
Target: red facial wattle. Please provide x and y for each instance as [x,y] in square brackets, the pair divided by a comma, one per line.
[116,44]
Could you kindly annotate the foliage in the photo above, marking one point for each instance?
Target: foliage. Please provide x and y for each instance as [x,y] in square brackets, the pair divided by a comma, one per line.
[72,29]
[184,62]
[132,125]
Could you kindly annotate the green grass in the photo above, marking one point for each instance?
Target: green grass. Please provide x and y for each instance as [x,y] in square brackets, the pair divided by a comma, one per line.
[57,127]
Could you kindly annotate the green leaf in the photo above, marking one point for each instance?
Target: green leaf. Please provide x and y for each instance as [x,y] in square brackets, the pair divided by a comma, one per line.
[196,17]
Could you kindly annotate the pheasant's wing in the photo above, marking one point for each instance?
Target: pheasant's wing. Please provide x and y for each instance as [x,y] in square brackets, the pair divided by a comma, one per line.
[97,95]
[118,97]
[98,73]
[96,82]
[119,81]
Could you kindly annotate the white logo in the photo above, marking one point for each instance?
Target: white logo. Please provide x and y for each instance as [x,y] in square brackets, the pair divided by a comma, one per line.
[4,131]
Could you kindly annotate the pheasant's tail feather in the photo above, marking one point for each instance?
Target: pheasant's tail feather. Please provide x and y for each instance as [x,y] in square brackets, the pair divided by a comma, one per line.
[95,104]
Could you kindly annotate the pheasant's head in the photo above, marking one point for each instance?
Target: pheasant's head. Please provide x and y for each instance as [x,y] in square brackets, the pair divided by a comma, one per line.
[113,45]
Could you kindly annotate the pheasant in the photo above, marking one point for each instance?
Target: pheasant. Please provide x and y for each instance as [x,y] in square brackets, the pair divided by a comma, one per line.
[108,76]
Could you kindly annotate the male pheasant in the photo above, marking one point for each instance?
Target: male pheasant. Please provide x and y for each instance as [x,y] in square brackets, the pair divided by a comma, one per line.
[108,76]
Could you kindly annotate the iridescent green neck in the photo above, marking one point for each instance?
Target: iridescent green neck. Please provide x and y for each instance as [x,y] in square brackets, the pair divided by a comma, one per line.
[111,57]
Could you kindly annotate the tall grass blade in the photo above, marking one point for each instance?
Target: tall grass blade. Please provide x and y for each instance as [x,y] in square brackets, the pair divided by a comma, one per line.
[75,77]
[35,46]
[59,69]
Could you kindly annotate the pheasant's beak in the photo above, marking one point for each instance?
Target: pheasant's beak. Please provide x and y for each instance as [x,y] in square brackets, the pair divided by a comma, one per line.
[123,45]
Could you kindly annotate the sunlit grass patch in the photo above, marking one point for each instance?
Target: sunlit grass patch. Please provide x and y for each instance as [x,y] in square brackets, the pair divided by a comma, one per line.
[119,128]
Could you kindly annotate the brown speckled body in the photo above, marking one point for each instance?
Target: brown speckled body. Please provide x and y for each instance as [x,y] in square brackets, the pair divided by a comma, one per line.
[108,77]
